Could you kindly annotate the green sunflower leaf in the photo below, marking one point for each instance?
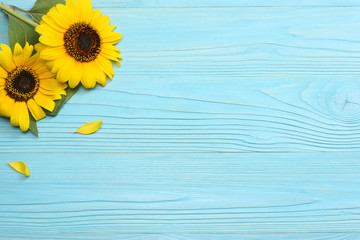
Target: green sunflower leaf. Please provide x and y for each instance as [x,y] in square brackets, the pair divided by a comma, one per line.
[41,7]
[59,103]
[20,32]
[33,126]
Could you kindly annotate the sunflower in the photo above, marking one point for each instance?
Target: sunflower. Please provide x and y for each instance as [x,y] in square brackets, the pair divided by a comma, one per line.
[78,43]
[26,84]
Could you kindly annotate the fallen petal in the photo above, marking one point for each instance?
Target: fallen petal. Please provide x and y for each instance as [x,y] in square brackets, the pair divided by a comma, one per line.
[20,167]
[89,127]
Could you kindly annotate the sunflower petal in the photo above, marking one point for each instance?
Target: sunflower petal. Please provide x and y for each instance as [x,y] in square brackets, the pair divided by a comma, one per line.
[51,40]
[111,37]
[75,76]
[36,111]
[24,120]
[107,29]
[62,15]
[46,29]
[89,127]
[85,7]
[27,51]
[53,94]
[20,167]
[3,73]
[6,60]
[15,115]
[51,84]
[88,79]
[74,6]
[17,57]
[44,101]
[110,48]
[56,97]
[52,53]
[22,55]
[112,57]
[58,65]
[7,106]
[58,26]
[101,78]
[39,47]
[95,18]
[104,21]
[105,65]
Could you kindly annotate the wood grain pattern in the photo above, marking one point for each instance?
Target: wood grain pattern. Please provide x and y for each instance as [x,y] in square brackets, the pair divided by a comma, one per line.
[182,194]
[227,120]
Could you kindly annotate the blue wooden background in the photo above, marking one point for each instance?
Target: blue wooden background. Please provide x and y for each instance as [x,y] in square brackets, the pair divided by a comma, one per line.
[228,119]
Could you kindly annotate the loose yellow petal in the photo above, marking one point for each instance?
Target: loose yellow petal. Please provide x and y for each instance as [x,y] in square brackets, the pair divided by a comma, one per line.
[89,127]
[20,167]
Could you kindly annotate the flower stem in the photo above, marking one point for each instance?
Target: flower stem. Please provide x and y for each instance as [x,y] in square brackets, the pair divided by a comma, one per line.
[9,10]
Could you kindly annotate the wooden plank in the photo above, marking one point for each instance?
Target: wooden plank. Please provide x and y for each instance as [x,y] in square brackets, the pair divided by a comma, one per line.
[212,3]
[227,120]
[286,118]
[107,195]
[289,84]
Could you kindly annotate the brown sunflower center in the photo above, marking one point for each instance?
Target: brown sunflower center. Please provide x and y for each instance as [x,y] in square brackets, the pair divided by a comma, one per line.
[22,84]
[82,42]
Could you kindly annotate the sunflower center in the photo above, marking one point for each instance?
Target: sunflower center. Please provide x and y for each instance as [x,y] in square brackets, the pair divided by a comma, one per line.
[85,41]
[82,42]
[22,84]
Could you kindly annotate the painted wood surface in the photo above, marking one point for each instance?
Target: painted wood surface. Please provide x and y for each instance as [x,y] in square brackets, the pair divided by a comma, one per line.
[227,120]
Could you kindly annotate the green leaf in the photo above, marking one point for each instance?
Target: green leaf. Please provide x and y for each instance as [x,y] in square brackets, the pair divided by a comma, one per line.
[20,32]
[41,7]
[33,126]
[59,103]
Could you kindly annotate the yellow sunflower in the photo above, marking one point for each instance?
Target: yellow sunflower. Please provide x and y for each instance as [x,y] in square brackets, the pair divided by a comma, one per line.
[26,84]
[78,43]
